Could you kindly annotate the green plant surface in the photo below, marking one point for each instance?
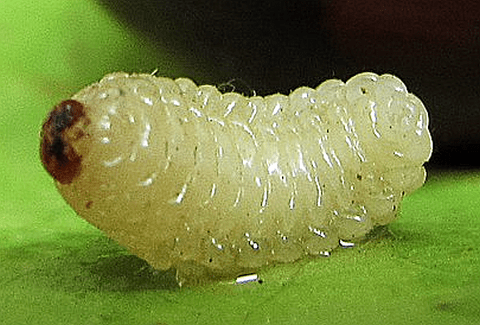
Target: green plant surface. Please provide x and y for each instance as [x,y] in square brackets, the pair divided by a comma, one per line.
[57,269]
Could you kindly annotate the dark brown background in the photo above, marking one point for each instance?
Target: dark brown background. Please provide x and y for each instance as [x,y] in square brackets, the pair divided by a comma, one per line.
[276,46]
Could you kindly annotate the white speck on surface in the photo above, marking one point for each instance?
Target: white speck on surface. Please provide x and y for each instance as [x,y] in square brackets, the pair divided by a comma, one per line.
[247,278]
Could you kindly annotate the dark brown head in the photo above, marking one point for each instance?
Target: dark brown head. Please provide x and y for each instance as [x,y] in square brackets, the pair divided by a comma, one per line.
[56,151]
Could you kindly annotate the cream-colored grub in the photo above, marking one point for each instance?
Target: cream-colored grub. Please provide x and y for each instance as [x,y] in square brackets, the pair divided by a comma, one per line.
[221,184]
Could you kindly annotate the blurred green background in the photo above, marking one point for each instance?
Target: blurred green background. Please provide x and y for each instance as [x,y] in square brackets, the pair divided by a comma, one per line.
[57,269]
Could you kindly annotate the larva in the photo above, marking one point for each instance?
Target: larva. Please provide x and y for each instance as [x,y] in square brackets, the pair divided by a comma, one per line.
[217,185]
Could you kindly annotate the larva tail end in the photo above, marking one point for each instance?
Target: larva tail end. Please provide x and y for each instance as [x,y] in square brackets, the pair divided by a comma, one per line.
[58,155]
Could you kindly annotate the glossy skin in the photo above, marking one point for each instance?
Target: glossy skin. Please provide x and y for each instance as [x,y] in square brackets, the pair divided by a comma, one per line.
[216,185]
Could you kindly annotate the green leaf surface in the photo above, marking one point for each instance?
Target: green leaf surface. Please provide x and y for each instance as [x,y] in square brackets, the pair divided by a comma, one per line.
[57,269]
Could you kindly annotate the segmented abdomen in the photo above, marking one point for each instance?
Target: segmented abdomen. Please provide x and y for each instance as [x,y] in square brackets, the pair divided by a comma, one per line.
[212,183]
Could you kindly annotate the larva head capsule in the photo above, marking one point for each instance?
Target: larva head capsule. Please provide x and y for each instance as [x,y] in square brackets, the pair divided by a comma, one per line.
[61,128]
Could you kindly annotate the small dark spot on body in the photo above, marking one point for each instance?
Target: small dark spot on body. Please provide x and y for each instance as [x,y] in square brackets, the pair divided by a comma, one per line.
[89,204]
[63,118]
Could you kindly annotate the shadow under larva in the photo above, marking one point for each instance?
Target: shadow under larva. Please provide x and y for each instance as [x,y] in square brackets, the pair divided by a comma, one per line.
[217,185]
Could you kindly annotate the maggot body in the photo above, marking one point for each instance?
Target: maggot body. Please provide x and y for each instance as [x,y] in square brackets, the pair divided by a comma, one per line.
[216,185]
